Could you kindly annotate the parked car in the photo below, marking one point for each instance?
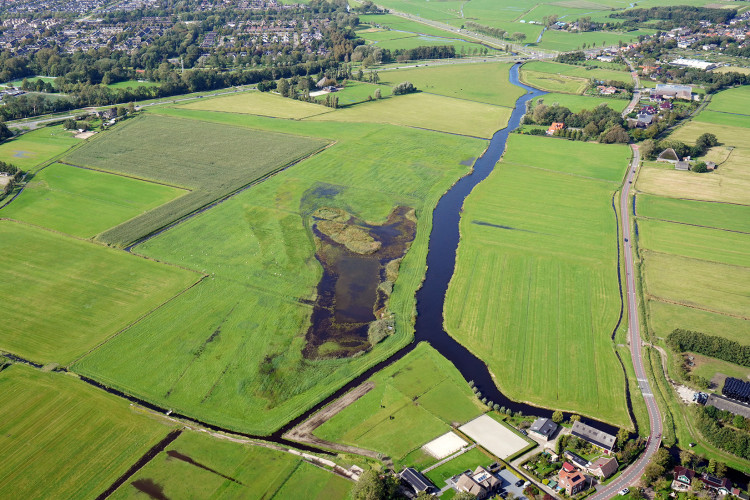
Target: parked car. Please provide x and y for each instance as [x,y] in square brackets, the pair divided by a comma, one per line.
[519,483]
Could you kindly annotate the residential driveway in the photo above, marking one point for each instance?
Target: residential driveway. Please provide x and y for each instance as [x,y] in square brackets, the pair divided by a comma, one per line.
[509,483]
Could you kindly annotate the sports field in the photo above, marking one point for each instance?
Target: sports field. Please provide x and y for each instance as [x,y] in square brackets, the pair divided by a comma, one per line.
[414,401]
[259,253]
[199,466]
[428,111]
[476,82]
[33,148]
[578,102]
[258,103]
[537,270]
[70,295]
[62,438]
[211,160]
[56,197]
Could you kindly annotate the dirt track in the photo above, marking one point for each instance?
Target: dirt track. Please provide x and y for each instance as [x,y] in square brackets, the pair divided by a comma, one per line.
[303,433]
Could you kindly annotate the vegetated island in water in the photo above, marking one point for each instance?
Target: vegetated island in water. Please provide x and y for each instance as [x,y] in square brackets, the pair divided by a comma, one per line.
[360,264]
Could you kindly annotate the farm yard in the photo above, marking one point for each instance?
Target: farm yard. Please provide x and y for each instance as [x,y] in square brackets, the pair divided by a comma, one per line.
[544,280]
[210,160]
[197,465]
[62,438]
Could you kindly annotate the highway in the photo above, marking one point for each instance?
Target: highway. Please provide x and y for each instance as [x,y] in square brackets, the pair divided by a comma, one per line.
[633,473]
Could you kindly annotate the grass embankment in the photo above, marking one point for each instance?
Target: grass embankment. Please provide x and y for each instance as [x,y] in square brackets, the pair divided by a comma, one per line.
[61,438]
[414,401]
[229,350]
[199,466]
[69,295]
[56,197]
[211,160]
[535,292]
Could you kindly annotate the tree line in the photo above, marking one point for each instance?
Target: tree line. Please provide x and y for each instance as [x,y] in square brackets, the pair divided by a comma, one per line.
[715,426]
[601,123]
[710,345]
[675,15]
[12,173]
[495,32]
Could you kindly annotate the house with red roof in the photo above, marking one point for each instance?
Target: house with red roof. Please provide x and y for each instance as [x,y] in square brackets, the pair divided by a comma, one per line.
[555,127]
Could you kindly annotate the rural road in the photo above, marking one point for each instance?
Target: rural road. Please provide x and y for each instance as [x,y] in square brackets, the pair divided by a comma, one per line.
[633,473]
[636,90]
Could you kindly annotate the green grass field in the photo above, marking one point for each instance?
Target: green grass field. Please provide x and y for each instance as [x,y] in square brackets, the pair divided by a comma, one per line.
[718,215]
[33,148]
[356,92]
[469,460]
[258,103]
[428,111]
[57,195]
[132,84]
[734,101]
[225,469]
[414,401]
[70,295]
[259,252]
[720,288]
[574,71]
[62,438]
[663,318]
[536,270]
[578,102]
[554,83]
[565,41]
[211,160]
[465,81]
[724,118]
[401,24]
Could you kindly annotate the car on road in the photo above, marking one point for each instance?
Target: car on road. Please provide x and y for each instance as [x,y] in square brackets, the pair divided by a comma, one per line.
[623,492]
[626,240]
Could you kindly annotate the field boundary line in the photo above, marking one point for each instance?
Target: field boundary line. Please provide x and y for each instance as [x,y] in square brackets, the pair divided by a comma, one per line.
[444,131]
[136,321]
[650,296]
[646,217]
[121,174]
[707,201]
[156,232]
[180,107]
[673,254]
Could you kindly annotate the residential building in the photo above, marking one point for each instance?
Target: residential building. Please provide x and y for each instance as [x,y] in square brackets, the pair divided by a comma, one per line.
[603,467]
[555,127]
[683,478]
[594,436]
[481,483]
[543,428]
[576,459]
[722,486]
[572,482]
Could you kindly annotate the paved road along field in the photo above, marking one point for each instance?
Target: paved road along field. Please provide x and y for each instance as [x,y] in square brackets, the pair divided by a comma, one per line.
[635,471]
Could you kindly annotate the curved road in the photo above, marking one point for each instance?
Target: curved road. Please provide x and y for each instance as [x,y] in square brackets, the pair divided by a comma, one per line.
[633,473]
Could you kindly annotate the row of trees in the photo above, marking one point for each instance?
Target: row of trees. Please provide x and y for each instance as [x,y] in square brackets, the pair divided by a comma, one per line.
[495,32]
[404,88]
[710,345]
[370,55]
[12,174]
[667,17]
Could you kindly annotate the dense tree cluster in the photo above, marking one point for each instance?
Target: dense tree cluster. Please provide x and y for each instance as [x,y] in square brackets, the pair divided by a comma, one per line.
[12,174]
[404,88]
[494,32]
[710,345]
[651,149]
[578,57]
[601,123]
[675,15]
[718,428]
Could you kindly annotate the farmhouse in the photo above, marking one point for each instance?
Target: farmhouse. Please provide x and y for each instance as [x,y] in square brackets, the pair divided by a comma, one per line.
[594,436]
[555,127]
[481,484]
[603,467]
[543,428]
[572,481]
[415,480]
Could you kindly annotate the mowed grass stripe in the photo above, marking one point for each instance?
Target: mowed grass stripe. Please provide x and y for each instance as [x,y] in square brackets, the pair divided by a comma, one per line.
[61,438]
[718,215]
[71,295]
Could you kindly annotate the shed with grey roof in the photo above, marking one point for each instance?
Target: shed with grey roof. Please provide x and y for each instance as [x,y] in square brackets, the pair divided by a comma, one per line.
[594,436]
